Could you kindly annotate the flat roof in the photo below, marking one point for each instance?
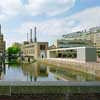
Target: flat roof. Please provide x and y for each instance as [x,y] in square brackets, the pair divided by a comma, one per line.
[69,48]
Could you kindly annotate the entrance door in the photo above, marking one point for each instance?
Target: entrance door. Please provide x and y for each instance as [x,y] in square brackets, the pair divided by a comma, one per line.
[42,54]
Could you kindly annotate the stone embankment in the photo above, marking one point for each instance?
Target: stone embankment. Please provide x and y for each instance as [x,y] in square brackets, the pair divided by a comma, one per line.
[87,67]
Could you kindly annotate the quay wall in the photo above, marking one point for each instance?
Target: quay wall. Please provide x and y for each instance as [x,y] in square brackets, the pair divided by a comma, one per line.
[87,67]
[62,87]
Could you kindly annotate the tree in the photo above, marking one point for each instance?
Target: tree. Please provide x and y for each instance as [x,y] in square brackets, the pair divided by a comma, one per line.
[13,52]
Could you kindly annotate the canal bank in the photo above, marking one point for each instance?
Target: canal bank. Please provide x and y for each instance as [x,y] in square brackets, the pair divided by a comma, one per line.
[88,67]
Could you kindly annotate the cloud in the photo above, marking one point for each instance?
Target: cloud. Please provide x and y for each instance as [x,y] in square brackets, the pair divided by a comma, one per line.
[12,8]
[49,7]
[9,8]
[87,18]
[55,28]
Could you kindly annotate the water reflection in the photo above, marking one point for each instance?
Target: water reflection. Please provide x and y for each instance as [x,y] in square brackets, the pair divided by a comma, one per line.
[71,75]
[34,71]
[40,72]
[2,71]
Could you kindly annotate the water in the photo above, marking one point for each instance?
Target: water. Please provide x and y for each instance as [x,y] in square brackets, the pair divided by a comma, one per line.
[41,72]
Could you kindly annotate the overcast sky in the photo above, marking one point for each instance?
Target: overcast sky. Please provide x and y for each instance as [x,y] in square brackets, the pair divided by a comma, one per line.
[52,18]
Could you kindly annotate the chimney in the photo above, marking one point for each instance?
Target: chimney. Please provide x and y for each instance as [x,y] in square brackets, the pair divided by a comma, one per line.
[0,29]
[35,38]
[27,36]
[31,35]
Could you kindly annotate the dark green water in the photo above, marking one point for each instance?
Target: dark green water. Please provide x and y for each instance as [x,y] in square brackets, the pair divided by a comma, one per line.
[40,72]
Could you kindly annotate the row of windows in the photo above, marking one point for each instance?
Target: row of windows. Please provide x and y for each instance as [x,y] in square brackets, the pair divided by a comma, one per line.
[31,51]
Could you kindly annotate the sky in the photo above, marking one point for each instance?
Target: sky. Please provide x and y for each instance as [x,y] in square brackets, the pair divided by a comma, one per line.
[53,18]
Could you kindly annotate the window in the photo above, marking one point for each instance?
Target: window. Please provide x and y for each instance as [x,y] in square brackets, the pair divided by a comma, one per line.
[42,47]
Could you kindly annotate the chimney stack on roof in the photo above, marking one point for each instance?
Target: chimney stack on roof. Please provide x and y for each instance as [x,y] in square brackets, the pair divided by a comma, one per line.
[0,29]
[35,33]
[31,35]
[27,36]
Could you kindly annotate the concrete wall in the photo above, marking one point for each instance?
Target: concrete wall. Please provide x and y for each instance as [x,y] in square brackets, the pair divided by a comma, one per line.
[87,54]
[91,54]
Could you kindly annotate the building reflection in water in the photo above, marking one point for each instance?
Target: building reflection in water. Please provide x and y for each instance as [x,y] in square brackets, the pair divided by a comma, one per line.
[35,70]
[2,71]
[71,75]
[40,72]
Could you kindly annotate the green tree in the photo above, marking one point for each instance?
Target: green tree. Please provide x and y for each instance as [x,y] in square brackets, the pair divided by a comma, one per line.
[13,52]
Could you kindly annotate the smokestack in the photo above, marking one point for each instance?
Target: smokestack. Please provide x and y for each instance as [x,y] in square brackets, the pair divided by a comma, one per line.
[35,32]
[31,35]
[27,36]
[0,29]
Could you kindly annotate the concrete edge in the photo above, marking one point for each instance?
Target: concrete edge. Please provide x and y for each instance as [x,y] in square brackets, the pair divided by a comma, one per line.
[48,83]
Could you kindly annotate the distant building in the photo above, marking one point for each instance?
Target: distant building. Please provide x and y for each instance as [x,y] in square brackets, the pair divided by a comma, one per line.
[95,39]
[2,43]
[68,43]
[90,38]
[33,49]
[95,29]
[52,47]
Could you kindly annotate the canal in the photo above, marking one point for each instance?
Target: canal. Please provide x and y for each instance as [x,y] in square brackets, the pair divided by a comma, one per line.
[40,72]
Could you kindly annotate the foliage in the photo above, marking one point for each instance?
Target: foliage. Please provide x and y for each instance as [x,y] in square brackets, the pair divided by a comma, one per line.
[13,52]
